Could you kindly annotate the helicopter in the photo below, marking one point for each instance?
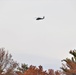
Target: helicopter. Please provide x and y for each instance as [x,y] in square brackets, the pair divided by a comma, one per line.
[39,18]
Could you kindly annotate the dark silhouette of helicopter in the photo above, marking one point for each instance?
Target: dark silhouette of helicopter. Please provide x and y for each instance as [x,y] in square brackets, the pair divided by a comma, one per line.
[39,18]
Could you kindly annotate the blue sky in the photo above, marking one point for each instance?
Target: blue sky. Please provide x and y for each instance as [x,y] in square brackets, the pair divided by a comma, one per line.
[44,42]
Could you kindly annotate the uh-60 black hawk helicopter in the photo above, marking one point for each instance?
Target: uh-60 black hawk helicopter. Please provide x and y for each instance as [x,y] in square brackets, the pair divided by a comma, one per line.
[39,18]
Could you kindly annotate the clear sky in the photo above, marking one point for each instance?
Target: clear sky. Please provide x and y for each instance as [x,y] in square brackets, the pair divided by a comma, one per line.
[44,42]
